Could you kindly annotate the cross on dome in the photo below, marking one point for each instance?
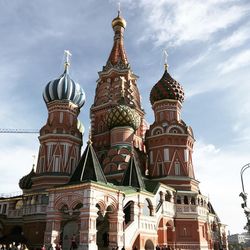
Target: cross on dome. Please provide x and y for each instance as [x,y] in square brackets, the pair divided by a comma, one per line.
[165,55]
[119,8]
[67,56]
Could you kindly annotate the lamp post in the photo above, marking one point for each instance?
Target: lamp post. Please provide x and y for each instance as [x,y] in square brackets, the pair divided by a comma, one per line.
[243,195]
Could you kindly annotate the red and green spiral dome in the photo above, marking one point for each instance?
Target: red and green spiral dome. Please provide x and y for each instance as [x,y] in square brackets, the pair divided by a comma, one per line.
[166,88]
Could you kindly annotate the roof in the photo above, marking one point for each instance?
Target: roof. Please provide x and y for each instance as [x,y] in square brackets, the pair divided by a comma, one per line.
[88,168]
[132,176]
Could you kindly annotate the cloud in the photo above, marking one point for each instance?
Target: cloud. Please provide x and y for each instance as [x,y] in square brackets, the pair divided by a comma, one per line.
[218,169]
[238,38]
[177,22]
[14,165]
[235,62]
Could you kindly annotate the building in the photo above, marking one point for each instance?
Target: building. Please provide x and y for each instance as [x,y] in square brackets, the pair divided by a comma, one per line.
[133,186]
[239,241]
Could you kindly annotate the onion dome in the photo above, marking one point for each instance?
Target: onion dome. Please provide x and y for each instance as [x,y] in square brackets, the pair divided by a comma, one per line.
[123,115]
[64,88]
[166,88]
[119,21]
[26,182]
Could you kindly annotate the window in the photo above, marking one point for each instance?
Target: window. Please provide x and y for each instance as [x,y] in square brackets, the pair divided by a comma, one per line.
[166,154]
[42,164]
[178,200]
[72,164]
[56,163]
[147,208]
[186,155]
[168,196]
[177,168]
[129,212]
[4,209]
[185,200]
[151,157]
[160,168]
[61,117]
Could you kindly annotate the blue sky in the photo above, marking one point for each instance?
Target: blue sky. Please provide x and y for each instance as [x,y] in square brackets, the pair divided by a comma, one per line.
[208,43]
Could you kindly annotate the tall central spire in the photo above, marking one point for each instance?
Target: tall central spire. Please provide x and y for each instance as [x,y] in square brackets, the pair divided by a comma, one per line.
[118,56]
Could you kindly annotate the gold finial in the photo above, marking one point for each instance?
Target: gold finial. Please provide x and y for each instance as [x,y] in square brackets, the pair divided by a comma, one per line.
[67,55]
[119,21]
[165,55]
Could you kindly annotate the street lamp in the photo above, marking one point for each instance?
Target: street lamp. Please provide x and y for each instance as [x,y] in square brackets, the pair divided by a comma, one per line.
[243,195]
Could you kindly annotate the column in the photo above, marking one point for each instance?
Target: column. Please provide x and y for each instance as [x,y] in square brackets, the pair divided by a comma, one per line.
[88,215]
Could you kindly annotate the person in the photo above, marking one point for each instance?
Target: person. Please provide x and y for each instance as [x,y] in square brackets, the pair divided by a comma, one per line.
[123,248]
[73,242]
[157,247]
[58,247]
[105,238]
[24,247]
[43,247]
[50,247]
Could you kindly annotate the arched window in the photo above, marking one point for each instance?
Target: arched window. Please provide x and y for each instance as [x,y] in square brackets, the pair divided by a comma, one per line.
[147,208]
[168,196]
[185,200]
[193,201]
[19,204]
[178,200]
[129,212]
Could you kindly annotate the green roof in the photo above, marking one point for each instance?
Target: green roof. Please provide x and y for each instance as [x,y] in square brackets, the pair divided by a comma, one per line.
[88,168]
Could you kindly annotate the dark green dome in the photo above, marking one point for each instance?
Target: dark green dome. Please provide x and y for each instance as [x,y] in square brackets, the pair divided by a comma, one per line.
[166,88]
[26,182]
[123,115]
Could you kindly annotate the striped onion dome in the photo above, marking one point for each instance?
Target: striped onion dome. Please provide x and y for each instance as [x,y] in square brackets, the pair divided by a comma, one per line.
[123,115]
[64,88]
[166,88]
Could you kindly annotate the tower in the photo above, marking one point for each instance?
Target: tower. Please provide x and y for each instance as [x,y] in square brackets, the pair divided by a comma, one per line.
[169,140]
[116,114]
[61,137]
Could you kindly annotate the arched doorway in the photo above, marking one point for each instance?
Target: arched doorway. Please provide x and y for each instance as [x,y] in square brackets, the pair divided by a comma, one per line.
[102,227]
[70,232]
[149,245]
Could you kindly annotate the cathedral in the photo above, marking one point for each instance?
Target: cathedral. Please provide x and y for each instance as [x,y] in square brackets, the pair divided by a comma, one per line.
[134,186]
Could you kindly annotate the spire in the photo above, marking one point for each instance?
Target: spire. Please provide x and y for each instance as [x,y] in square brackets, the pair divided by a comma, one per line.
[118,57]
[88,168]
[132,176]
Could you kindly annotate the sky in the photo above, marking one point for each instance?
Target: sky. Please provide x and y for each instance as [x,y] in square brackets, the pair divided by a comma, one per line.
[208,45]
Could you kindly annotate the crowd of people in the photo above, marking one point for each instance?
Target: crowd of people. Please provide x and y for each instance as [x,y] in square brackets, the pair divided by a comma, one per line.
[13,246]
[19,246]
